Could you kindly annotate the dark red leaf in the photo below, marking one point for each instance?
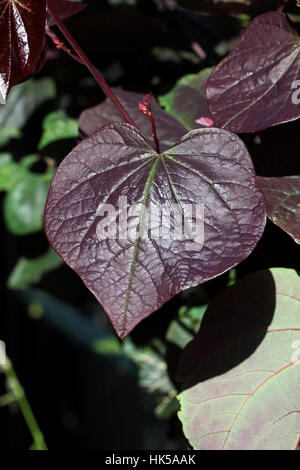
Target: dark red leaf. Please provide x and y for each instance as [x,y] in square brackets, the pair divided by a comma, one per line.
[282,197]
[22,39]
[258,84]
[169,129]
[64,9]
[132,277]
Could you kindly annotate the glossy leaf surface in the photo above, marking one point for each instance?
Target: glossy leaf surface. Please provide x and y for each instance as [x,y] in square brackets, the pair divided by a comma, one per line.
[28,272]
[282,197]
[258,84]
[241,374]
[133,276]
[22,38]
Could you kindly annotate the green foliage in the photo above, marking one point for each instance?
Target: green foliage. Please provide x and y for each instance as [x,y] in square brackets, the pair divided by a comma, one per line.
[7,133]
[26,191]
[8,172]
[23,100]
[26,194]
[16,395]
[109,345]
[179,335]
[30,271]
[153,374]
[58,126]
[24,204]
[12,172]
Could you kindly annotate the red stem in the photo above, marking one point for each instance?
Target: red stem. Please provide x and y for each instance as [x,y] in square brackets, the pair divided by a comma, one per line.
[61,45]
[154,135]
[96,74]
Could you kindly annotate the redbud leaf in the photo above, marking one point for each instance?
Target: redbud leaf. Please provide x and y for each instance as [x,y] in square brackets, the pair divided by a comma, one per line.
[258,84]
[133,276]
[169,129]
[240,375]
[22,39]
[282,197]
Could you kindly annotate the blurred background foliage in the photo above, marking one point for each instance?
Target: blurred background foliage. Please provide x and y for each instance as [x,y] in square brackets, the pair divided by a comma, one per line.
[86,389]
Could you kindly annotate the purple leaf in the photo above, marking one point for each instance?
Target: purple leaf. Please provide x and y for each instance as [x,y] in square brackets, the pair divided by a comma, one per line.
[169,128]
[22,39]
[258,84]
[282,197]
[64,9]
[133,276]
[241,373]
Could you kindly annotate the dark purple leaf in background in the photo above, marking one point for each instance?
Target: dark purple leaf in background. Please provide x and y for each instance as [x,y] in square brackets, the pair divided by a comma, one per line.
[22,39]
[258,84]
[132,278]
[169,129]
[64,9]
[282,197]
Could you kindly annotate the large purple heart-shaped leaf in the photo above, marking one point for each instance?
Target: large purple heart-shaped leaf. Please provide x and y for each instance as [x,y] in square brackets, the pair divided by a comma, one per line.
[258,84]
[169,129]
[208,170]
[282,197]
[241,373]
[22,38]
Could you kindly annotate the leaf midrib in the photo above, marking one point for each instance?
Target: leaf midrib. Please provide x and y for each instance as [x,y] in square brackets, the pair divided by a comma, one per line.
[145,203]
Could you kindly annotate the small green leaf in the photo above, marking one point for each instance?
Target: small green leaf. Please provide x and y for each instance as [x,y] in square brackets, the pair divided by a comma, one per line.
[109,345]
[58,126]
[28,161]
[24,204]
[30,271]
[178,335]
[10,172]
[23,100]
[191,317]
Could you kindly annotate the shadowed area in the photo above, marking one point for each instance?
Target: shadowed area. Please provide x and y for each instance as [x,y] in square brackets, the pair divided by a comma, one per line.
[233,327]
